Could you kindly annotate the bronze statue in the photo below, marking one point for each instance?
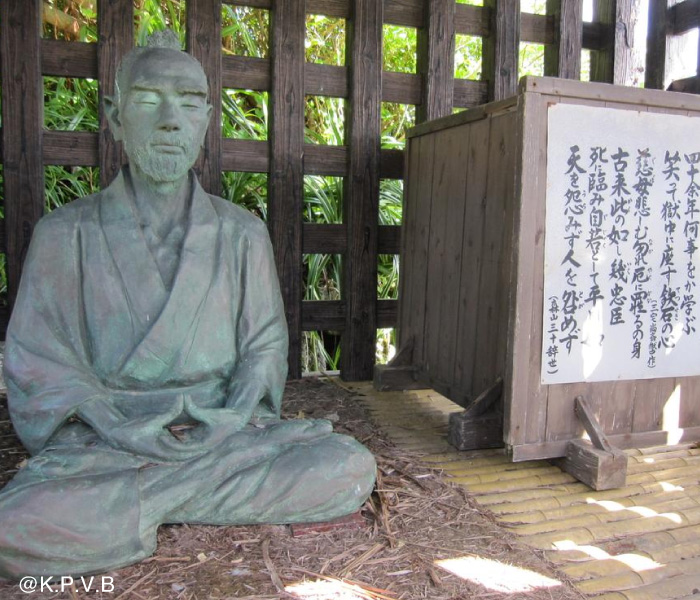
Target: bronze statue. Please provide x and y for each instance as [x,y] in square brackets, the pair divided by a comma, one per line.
[145,306]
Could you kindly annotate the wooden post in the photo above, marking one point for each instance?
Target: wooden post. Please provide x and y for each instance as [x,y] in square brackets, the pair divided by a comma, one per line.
[563,57]
[115,26]
[614,63]
[501,49]
[286,180]
[361,202]
[22,120]
[204,43]
[436,58]
[657,45]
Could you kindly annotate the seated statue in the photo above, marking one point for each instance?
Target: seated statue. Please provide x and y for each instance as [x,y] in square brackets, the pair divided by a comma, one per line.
[147,354]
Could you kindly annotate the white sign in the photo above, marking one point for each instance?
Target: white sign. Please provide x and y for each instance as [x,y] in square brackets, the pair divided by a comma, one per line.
[622,257]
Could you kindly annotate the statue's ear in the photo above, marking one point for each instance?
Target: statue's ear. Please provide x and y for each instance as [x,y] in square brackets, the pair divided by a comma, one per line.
[113,118]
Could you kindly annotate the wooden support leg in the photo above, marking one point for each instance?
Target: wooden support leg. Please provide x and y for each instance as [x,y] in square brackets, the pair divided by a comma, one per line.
[399,374]
[481,424]
[596,463]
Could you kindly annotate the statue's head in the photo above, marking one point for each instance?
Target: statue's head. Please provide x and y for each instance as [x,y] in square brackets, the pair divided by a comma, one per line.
[160,111]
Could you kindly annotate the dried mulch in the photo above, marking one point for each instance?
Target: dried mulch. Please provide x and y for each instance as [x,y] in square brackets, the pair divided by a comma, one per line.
[413,519]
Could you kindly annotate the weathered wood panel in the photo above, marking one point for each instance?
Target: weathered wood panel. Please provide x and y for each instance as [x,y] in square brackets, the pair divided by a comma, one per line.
[286,182]
[446,143]
[361,205]
[613,62]
[436,57]
[23,118]
[414,246]
[491,320]
[684,16]
[477,165]
[453,186]
[500,49]
[562,58]
[657,45]
[115,38]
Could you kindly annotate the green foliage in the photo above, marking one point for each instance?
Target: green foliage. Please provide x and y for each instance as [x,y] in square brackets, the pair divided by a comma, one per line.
[468,50]
[325,40]
[70,104]
[65,184]
[245,31]
[399,49]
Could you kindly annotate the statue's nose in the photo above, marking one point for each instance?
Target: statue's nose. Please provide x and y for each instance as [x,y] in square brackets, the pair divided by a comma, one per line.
[168,117]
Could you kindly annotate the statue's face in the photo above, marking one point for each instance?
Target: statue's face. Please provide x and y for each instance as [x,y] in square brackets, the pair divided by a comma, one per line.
[164,114]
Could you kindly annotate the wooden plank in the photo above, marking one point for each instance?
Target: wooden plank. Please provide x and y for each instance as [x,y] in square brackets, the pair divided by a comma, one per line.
[446,144]
[476,167]
[23,118]
[245,155]
[326,80]
[115,38]
[332,239]
[619,400]
[684,16]
[525,398]
[407,316]
[403,88]
[253,156]
[501,48]
[538,29]
[330,8]
[611,93]
[554,449]
[408,13]
[415,247]
[493,291]
[562,58]
[436,56]
[71,148]
[387,313]
[471,20]
[204,43]
[325,160]
[657,45]
[361,201]
[245,73]
[285,183]
[650,399]
[324,239]
[68,59]
[690,402]
[470,93]
[320,315]
[613,63]
[595,432]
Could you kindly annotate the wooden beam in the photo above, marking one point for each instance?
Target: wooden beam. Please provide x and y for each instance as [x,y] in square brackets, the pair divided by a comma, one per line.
[614,62]
[590,424]
[319,315]
[501,49]
[361,201]
[684,16]
[115,28]
[657,45]
[436,57]
[204,43]
[286,181]
[563,57]
[22,119]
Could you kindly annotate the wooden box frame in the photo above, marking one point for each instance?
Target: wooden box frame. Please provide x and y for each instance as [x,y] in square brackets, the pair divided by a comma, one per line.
[470,305]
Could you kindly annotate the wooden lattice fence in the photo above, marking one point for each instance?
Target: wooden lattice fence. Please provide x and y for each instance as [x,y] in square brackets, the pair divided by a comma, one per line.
[27,147]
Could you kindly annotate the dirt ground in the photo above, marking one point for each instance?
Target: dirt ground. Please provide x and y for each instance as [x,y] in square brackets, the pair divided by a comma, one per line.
[413,519]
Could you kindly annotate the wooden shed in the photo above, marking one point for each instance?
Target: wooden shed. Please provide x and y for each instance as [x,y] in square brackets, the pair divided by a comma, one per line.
[475,308]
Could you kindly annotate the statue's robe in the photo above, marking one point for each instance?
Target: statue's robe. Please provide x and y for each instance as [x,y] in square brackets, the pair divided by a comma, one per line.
[94,319]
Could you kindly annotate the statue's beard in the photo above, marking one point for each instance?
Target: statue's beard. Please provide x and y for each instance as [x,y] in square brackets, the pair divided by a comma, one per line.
[163,167]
